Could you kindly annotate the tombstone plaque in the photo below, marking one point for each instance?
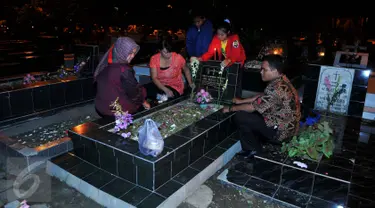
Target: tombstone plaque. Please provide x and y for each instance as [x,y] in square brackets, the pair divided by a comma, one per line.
[351,59]
[334,75]
[209,78]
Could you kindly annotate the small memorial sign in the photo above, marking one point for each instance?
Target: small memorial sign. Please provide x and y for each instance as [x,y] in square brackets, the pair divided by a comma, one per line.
[351,59]
[227,84]
[329,78]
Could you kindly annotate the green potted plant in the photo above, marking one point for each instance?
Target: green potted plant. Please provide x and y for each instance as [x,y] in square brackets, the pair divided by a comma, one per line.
[312,142]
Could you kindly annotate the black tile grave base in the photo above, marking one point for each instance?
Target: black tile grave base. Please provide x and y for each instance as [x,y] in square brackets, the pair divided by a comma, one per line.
[128,191]
[148,181]
[109,151]
[185,154]
[346,179]
[23,102]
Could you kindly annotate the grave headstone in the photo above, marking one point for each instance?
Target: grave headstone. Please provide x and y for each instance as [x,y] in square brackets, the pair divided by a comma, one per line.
[68,61]
[351,59]
[341,77]
[87,52]
[208,78]
[351,102]
[354,48]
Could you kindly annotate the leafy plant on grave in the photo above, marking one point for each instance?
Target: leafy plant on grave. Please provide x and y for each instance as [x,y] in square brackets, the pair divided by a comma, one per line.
[312,141]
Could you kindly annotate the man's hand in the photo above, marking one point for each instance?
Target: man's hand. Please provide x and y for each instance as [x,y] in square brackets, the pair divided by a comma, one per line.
[146,105]
[237,100]
[226,109]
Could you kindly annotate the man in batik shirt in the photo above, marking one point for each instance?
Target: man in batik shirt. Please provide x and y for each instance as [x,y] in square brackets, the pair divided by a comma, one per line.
[273,115]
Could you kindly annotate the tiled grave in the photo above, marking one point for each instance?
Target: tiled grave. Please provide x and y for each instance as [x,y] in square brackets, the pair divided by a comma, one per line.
[190,157]
[12,147]
[25,101]
[112,191]
[122,157]
[37,99]
[345,179]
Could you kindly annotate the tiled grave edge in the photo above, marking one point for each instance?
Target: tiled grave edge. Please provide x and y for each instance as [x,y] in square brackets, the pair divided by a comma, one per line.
[11,149]
[276,192]
[100,149]
[190,187]
[173,200]
[38,98]
[89,190]
[222,177]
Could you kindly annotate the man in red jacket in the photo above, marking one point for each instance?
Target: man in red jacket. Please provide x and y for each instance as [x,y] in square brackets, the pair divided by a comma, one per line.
[225,46]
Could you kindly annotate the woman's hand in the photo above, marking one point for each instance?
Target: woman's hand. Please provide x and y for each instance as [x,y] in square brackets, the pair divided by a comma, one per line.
[168,92]
[225,63]
[146,105]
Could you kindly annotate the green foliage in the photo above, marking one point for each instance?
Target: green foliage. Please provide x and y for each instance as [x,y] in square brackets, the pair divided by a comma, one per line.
[311,141]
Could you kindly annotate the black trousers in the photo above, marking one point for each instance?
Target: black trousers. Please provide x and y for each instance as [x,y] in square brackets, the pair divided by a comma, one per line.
[253,130]
[152,91]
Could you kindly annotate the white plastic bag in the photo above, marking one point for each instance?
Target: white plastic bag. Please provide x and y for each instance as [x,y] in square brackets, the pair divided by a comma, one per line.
[150,140]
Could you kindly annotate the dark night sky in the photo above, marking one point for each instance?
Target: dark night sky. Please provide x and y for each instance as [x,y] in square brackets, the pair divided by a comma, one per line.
[279,15]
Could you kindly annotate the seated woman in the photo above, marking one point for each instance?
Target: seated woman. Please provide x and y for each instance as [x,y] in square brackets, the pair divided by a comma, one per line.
[115,78]
[227,45]
[166,72]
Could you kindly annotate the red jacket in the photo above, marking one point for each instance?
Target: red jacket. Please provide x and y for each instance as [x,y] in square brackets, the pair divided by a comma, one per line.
[118,81]
[234,50]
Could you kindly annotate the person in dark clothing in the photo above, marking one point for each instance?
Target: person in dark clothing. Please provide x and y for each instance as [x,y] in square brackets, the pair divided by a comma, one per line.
[199,36]
[273,115]
[115,78]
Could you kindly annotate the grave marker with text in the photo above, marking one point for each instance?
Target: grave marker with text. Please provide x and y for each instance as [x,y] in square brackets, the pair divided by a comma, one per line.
[209,78]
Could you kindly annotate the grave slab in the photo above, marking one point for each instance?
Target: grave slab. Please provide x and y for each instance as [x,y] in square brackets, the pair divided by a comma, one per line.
[342,180]
[122,157]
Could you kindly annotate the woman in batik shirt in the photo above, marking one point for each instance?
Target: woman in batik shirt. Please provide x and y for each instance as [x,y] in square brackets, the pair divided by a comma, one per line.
[273,115]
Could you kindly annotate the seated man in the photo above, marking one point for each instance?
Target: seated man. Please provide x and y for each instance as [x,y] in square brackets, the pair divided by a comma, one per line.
[273,115]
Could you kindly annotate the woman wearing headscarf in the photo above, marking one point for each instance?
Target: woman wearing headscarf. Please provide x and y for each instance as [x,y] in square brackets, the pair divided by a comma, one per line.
[115,78]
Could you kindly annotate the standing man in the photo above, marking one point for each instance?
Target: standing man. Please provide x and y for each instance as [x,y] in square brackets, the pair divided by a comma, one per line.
[199,36]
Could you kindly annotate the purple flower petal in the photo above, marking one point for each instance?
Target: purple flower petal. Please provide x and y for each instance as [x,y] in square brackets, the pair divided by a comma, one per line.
[125,135]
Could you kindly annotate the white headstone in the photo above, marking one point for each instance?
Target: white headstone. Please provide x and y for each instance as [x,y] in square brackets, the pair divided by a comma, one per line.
[333,74]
